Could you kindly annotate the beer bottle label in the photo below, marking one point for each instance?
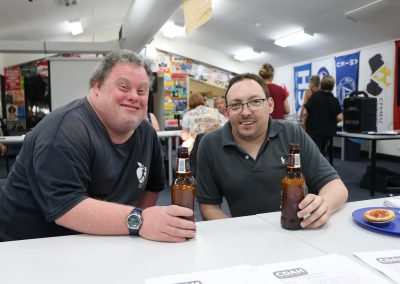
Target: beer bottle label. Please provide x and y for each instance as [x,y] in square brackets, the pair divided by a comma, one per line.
[183,165]
[294,161]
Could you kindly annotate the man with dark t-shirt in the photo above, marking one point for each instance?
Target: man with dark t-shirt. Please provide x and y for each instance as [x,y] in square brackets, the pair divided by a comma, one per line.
[94,166]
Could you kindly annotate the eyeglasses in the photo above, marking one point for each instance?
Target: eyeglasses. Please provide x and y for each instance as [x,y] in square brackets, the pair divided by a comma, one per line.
[252,105]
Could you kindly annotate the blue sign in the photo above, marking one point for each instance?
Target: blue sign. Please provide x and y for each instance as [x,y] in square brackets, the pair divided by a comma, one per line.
[301,79]
[346,75]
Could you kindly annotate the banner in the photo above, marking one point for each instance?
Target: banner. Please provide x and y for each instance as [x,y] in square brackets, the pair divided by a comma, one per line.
[324,67]
[346,75]
[396,100]
[301,78]
[376,78]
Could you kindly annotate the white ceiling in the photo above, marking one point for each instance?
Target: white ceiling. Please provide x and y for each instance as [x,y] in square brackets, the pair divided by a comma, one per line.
[235,24]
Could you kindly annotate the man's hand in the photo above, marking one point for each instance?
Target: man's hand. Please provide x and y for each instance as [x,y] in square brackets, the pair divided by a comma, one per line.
[317,210]
[164,223]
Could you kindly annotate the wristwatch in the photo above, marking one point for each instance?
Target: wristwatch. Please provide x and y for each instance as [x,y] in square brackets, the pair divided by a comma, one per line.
[134,221]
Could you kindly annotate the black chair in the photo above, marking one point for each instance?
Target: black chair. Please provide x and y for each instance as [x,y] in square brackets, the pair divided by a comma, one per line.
[193,154]
[11,154]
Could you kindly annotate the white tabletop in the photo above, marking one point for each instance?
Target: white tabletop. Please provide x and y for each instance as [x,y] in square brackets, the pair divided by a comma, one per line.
[93,259]
[341,235]
[12,139]
[368,136]
[253,240]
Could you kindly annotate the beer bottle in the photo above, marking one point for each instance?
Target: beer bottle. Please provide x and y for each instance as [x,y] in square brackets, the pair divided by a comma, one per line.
[183,190]
[292,190]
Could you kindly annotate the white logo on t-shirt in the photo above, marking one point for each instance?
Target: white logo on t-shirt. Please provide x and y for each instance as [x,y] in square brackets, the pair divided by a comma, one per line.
[283,160]
[141,173]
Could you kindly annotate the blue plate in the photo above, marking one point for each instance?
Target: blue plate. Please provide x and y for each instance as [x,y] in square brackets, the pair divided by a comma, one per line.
[392,227]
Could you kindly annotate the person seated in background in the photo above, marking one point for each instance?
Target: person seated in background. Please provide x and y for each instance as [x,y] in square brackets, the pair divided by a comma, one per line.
[313,87]
[94,166]
[322,112]
[199,119]
[277,93]
[219,103]
[245,160]
[153,121]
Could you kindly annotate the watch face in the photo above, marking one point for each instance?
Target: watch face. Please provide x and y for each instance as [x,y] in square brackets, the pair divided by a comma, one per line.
[134,221]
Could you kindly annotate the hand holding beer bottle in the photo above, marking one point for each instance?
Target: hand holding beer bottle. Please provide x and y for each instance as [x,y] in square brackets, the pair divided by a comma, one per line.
[184,188]
[292,191]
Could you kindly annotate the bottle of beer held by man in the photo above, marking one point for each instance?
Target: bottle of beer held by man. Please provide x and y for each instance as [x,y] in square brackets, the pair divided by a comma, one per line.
[292,190]
[183,190]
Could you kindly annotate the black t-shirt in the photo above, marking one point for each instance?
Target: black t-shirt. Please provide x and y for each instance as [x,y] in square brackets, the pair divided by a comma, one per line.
[69,157]
[322,108]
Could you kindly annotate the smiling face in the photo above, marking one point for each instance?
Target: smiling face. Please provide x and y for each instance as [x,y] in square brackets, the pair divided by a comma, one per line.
[249,125]
[121,101]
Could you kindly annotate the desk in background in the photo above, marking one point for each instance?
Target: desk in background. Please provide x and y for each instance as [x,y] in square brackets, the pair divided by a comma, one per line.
[162,134]
[373,138]
[12,139]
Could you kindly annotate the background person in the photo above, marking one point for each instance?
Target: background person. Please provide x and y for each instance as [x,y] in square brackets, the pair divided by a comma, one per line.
[219,103]
[153,121]
[278,94]
[87,167]
[199,119]
[245,160]
[322,112]
[313,87]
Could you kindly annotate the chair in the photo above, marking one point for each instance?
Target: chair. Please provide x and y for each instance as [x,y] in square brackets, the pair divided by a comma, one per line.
[193,154]
[11,154]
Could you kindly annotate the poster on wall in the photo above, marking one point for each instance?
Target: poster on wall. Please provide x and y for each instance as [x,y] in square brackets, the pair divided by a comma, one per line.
[13,78]
[301,78]
[346,75]
[376,78]
[324,67]
[396,100]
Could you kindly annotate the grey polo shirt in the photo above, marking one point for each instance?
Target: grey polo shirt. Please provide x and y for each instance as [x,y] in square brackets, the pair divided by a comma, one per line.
[254,186]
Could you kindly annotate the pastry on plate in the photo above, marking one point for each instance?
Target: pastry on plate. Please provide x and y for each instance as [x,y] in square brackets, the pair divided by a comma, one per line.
[378,215]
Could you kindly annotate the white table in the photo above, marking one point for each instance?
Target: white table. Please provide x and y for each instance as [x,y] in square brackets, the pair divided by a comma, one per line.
[122,259]
[373,138]
[12,139]
[341,235]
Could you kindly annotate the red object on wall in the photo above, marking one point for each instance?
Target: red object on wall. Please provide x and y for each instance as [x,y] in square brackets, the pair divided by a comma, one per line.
[396,99]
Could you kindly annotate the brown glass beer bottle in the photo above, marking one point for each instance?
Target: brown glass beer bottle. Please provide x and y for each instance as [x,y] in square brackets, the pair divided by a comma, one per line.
[183,190]
[292,190]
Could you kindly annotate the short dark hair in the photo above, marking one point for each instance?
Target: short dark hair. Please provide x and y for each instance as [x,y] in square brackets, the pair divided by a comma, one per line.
[247,76]
[103,69]
[327,83]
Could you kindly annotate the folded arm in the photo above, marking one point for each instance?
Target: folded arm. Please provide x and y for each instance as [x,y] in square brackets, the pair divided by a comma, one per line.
[97,217]
[212,212]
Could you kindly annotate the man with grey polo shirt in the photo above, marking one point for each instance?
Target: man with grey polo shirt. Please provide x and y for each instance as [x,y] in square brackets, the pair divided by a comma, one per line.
[245,160]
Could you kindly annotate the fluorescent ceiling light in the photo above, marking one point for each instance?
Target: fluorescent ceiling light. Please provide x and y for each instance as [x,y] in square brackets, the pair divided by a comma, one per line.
[75,27]
[246,54]
[293,39]
[171,30]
